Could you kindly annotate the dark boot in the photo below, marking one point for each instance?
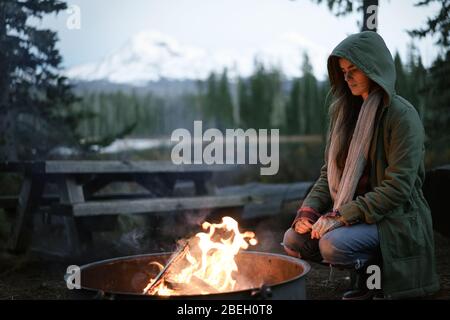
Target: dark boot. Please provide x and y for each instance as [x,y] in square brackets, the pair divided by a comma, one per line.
[359,290]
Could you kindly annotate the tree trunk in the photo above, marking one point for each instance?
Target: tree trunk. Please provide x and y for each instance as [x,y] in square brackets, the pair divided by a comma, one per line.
[370,15]
[8,149]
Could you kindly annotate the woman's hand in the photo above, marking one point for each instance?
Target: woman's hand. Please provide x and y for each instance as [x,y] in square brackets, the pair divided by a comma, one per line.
[303,225]
[324,225]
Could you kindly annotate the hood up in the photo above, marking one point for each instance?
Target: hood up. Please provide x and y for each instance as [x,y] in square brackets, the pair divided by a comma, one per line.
[367,51]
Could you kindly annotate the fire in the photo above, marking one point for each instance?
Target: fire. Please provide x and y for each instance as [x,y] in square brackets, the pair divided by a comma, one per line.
[207,263]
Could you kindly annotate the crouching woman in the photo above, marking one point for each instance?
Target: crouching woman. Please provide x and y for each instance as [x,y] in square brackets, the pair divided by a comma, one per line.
[367,207]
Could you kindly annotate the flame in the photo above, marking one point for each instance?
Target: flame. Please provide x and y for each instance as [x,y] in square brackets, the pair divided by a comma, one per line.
[209,262]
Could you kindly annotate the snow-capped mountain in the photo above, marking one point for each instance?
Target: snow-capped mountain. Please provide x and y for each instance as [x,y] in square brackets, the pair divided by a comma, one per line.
[152,56]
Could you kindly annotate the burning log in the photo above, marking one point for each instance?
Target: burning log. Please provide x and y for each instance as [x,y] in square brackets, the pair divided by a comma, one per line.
[194,286]
[205,265]
[179,254]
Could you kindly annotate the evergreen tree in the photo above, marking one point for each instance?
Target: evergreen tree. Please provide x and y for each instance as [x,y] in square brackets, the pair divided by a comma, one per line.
[324,103]
[244,102]
[34,97]
[260,94]
[260,97]
[420,73]
[401,84]
[411,79]
[216,100]
[292,109]
[416,79]
[439,24]
[437,115]
[225,104]
[210,98]
[308,99]
[38,110]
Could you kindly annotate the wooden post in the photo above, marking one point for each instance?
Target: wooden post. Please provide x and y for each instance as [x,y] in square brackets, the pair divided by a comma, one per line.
[71,192]
[21,232]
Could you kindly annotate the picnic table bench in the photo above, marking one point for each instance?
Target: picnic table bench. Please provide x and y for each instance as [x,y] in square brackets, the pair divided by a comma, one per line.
[78,182]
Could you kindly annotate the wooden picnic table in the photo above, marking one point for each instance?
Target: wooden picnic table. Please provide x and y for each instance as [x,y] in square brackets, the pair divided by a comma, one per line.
[78,181]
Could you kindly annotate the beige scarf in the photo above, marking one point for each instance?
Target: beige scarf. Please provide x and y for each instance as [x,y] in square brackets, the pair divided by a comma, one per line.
[343,184]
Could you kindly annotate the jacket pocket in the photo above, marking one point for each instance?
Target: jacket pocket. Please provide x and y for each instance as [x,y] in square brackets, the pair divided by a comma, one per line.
[407,236]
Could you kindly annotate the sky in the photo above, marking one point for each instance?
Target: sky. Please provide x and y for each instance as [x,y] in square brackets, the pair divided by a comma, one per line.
[230,25]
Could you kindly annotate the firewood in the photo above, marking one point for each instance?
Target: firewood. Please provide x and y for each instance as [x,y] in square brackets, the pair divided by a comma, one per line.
[179,254]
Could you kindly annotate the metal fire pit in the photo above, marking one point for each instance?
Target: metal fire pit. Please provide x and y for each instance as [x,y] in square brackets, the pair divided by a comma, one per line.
[273,276]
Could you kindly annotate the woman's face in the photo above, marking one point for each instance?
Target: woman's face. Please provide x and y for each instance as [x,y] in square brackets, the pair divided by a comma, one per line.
[357,81]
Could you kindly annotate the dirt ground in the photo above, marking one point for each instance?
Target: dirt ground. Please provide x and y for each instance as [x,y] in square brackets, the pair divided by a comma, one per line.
[33,276]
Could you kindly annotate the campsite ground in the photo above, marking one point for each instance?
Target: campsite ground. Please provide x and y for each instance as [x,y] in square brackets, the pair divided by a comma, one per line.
[32,276]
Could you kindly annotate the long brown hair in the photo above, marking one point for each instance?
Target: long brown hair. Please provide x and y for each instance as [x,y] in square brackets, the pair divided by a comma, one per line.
[343,101]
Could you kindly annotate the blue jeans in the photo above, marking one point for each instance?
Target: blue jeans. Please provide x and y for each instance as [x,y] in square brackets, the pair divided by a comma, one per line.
[351,246]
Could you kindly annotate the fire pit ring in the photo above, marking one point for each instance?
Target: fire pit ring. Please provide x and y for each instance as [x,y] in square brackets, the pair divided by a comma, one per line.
[273,276]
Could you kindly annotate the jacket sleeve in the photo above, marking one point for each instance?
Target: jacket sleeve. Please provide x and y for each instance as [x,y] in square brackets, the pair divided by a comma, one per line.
[404,156]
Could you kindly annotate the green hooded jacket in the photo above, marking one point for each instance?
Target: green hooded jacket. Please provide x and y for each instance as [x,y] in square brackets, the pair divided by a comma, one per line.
[396,155]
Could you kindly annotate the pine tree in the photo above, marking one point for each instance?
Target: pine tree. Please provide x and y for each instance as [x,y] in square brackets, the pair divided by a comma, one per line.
[309,98]
[418,78]
[225,105]
[292,109]
[421,73]
[215,100]
[411,78]
[439,24]
[260,96]
[437,115]
[34,97]
[244,103]
[210,98]
[324,105]
[401,84]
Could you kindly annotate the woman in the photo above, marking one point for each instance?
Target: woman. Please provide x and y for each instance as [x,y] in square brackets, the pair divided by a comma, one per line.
[367,207]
